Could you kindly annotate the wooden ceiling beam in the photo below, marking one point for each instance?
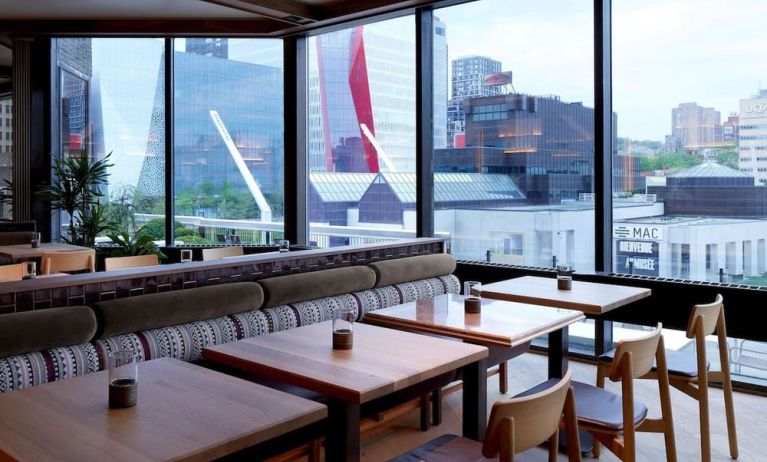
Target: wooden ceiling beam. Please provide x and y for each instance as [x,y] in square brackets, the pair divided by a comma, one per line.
[141,27]
[290,11]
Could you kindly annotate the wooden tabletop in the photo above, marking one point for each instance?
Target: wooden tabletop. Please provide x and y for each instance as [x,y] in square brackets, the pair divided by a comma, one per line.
[184,412]
[24,251]
[381,362]
[501,323]
[590,297]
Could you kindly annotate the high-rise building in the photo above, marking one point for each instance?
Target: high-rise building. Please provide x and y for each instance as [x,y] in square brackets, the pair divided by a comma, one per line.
[731,129]
[215,47]
[6,127]
[696,127]
[753,136]
[546,145]
[6,157]
[467,81]
[362,98]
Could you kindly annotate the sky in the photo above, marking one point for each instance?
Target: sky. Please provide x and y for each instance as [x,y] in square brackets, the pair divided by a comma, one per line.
[665,52]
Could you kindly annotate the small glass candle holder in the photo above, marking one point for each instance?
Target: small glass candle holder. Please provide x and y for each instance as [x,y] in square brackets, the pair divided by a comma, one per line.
[472,302]
[565,277]
[30,270]
[284,245]
[36,240]
[343,328]
[186,255]
[123,378]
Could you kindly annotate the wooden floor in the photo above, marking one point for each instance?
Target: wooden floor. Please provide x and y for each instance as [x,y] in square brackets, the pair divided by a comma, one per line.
[530,369]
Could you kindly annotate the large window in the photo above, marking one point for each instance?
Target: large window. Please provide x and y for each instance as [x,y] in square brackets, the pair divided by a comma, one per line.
[514,116]
[692,142]
[361,134]
[228,140]
[111,102]
[690,200]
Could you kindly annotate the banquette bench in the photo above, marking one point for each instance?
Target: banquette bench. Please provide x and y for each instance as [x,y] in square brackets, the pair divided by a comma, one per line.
[58,343]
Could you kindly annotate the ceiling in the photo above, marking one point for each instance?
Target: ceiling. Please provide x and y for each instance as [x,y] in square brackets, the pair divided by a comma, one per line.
[101,18]
[272,18]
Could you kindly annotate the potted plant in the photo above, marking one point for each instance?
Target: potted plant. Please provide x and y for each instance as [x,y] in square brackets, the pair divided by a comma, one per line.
[75,189]
[139,243]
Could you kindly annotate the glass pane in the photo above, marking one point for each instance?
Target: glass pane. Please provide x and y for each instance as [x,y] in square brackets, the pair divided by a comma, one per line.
[361,134]
[111,102]
[228,152]
[692,143]
[6,157]
[694,150]
[513,172]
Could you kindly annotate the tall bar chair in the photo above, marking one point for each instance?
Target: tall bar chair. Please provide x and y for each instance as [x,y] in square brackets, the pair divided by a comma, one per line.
[614,419]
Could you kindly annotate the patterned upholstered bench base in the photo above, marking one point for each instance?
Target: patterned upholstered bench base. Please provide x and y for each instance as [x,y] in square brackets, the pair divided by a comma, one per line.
[186,341]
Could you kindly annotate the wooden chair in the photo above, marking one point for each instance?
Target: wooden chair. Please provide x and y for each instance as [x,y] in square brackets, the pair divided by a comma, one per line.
[221,252]
[54,262]
[690,374]
[515,425]
[12,272]
[615,419]
[118,263]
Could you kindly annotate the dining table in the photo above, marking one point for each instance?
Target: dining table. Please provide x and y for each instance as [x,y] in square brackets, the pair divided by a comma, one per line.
[22,252]
[183,412]
[592,298]
[382,362]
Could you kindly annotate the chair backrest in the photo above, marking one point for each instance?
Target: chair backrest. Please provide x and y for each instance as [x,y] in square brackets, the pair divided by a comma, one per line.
[12,272]
[536,417]
[221,252]
[707,314]
[642,351]
[52,262]
[118,263]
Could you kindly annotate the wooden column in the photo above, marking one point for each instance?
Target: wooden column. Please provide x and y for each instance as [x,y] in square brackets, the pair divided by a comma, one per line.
[21,94]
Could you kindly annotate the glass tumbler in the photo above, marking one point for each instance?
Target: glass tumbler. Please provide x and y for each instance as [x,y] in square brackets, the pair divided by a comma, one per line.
[186,255]
[30,270]
[123,378]
[565,277]
[343,328]
[472,302]
[284,245]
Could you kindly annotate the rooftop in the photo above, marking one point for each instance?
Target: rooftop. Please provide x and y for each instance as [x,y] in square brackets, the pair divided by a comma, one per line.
[710,170]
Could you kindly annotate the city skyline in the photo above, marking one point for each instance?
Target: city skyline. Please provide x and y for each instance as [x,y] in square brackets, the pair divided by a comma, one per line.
[550,50]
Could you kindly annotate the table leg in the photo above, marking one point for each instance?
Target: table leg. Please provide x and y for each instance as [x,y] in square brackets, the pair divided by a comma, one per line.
[342,441]
[436,407]
[475,400]
[603,336]
[559,344]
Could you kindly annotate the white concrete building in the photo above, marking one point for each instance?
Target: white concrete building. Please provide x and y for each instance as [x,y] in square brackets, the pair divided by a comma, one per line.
[753,136]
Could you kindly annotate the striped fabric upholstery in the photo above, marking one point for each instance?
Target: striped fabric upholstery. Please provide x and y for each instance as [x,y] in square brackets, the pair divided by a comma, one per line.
[47,366]
[416,290]
[186,341]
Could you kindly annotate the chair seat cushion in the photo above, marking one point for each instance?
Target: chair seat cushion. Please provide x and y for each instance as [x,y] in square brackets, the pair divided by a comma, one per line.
[601,408]
[595,406]
[445,448]
[680,363]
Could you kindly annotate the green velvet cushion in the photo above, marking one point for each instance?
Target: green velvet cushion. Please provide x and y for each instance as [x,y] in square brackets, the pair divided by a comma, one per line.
[144,312]
[37,330]
[397,271]
[282,290]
